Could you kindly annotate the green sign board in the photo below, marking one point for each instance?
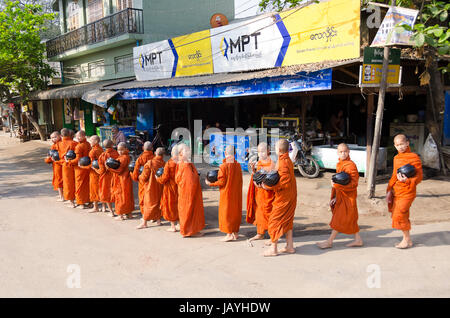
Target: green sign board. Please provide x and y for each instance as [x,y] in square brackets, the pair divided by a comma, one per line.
[374,55]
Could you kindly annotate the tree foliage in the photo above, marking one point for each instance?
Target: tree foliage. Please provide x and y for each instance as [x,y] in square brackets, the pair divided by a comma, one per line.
[22,54]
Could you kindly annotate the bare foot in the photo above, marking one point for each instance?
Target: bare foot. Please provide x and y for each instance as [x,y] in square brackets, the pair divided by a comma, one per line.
[93,210]
[198,234]
[152,221]
[267,243]
[227,238]
[129,216]
[235,236]
[287,250]
[158,222]
[60,200]
[325,244]
[355,244]
[171,229]
[404,245]
[257,237]
[270,252]
[111,214]
[119,218]
[177,227]
[141,226]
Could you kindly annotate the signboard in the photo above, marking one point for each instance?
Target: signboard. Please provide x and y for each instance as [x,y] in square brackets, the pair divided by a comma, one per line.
[373,65]
[67,112]
[302,82]
[245,46]
[325,31]
[194,54]
[395,16]
[155,61]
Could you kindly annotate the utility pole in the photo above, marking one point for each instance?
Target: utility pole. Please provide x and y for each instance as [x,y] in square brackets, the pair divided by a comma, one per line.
[378,121]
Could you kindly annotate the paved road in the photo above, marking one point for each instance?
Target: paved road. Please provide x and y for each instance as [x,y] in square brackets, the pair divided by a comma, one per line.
[46,247]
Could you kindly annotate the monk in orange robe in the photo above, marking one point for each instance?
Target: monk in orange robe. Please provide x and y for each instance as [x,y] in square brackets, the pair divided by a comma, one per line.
[190,200]
[169,199]
[105,177]
[68,171]
[94,154]
[123,185]
[153,190]
[57,181]
[401,191]
[81,174]
[343,201]
[281,218]
[263,199]
[229,181]
[146,156]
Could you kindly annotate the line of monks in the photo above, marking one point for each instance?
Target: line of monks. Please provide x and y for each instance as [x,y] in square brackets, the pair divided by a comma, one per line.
[176,195]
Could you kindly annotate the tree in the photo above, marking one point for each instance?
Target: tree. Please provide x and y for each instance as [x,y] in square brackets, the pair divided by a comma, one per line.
[22,65]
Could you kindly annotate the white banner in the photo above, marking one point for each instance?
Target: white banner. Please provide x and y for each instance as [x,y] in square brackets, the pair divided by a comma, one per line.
[249,45]
[154,61]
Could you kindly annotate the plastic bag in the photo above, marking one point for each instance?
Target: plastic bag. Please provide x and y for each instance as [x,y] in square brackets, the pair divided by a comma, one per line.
[431,154]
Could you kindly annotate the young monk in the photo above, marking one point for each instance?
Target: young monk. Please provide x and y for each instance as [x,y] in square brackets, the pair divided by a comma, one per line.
[281,218]
[190,200]
[401,191]
[81,175]
[68,171]
[343,201]
[57,181]
[146,156]
[262,198]
[153,190]
[94,154]
[105,179]
[229,181]
[169,200]
[123,185]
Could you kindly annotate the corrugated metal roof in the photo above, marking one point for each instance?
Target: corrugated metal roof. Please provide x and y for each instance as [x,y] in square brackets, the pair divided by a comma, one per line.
[74,91]
[231,77]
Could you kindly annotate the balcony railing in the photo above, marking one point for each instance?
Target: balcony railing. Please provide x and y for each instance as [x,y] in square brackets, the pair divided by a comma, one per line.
[125,21]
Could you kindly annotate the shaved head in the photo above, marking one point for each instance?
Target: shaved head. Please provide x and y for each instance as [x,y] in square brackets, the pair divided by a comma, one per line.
[401,143]
[65,132]
[159,151]
[342,146]
[229,150]
[400,138]
[107,143]
[184,152]
[282,146]
[81,135]
[55,134]
[174,152]
[147,146]
[94,139]
[122,146]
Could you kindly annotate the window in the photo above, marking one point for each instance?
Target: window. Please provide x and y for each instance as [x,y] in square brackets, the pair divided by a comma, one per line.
[123,4]
[124,64]
[72,12]
[96,69]
[95,10]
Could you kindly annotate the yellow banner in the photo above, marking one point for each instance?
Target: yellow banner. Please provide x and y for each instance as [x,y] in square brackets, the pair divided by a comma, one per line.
[321,32]
[193,58]
[372,74]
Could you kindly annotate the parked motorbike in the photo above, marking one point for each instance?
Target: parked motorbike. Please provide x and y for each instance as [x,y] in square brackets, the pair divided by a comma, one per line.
[300,154]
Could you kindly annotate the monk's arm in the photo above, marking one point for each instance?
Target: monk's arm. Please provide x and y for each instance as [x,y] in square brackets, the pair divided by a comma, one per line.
[414,181]
[135,173]
[284,182]
[353,184]
[165,176]
[221,178]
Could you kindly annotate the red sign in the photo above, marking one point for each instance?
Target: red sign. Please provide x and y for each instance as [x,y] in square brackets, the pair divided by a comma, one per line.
[11,105]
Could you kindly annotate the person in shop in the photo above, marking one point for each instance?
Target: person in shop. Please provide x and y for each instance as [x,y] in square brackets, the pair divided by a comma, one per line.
[336,124]
[117,135]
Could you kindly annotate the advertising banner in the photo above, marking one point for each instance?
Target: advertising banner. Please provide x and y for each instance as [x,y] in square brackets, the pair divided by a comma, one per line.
[373,65]
[325,31]
[194,54]
[386,34]
[155,61]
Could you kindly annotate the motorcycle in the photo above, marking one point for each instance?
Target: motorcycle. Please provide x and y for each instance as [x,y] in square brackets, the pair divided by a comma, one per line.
[299,153]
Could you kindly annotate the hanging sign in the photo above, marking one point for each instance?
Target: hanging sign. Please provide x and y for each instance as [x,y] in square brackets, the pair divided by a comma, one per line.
[373,65]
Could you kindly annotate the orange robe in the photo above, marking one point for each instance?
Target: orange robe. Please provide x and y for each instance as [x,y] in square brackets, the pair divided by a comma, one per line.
[57,181]
[229,181]
[345,211]
[94,154]
[169,200]
[264,200]
[68,171]
[141,161]
[123,187]
[190,200]
[281,217]
[153,189]
[105,178]
[81,173]
[404,192]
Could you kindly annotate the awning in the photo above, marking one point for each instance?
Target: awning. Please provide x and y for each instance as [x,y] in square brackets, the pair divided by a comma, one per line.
[98,97]
[75,91]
